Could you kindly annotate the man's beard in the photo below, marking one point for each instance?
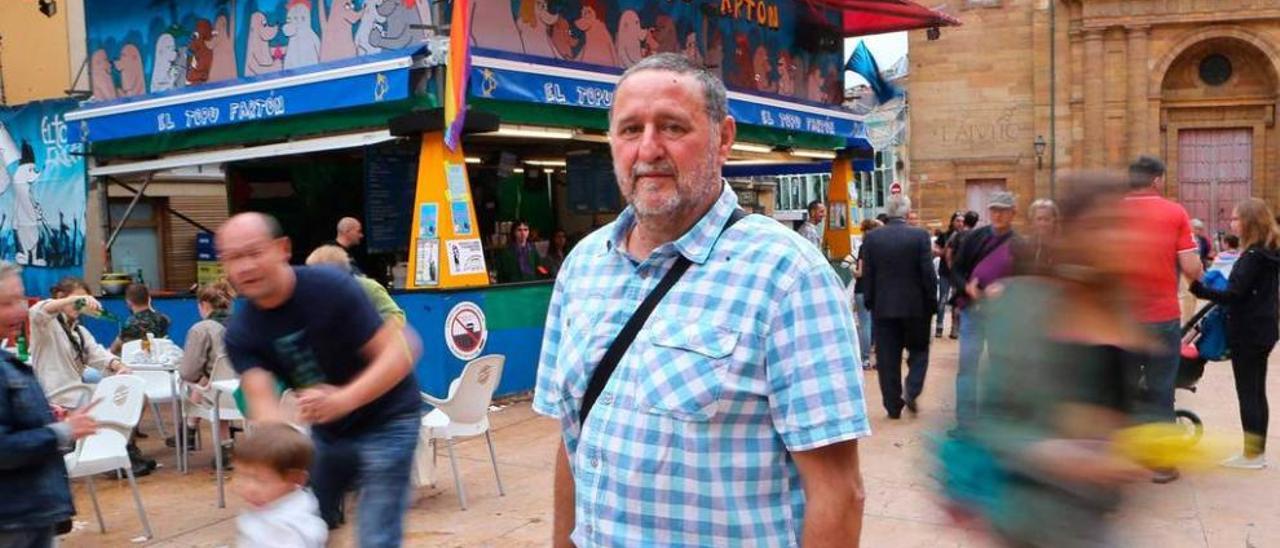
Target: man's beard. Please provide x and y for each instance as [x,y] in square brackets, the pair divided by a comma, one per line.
[692,188]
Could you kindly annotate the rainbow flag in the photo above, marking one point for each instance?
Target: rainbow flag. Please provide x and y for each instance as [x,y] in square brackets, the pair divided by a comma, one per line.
[459,67]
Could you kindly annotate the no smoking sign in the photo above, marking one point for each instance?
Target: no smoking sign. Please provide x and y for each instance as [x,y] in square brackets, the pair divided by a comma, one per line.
[464,331]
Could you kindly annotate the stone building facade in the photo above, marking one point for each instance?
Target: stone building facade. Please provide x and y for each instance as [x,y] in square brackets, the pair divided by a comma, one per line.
[1098,82]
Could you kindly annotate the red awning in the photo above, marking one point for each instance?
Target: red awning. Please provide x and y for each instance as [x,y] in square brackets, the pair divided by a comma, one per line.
[863,17]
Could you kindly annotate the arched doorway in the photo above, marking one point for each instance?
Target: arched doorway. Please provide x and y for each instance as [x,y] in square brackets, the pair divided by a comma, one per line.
[1218,102]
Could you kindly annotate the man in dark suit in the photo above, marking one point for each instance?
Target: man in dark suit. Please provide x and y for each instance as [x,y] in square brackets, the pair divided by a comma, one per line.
[900,289]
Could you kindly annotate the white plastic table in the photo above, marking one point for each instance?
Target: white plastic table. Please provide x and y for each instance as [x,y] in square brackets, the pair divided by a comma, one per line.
[179,420]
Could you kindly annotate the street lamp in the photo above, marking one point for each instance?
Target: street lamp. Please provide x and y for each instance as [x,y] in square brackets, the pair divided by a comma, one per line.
[1040,145]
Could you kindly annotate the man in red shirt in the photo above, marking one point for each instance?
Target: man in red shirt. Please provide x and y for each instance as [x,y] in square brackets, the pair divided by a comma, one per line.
[1161,246]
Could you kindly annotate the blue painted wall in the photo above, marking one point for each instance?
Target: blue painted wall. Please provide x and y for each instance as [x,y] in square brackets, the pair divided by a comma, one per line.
[514,314]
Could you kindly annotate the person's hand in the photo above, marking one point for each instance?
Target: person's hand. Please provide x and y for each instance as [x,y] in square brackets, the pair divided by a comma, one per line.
[972,290]
[120,368]
[82,425]
[322,404]
[59,412]
[91,305]
[994,290]
[1085,462]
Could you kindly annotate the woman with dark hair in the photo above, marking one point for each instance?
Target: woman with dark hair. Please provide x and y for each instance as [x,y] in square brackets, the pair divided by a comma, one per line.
[859,302]
[519,261]
[557,249]
[954,226]
[1252,313]
[1054,392]
[63,351]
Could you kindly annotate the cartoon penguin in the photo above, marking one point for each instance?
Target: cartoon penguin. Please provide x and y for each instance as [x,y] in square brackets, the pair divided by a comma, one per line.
[20,173]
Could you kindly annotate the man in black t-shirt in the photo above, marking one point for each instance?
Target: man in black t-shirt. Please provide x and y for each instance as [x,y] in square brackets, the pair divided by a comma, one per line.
[314,330]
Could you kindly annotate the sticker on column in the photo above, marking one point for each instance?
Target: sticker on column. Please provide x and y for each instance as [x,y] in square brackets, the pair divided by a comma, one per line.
[465,257]
[460,212]
[428,263]
[455,176]
[465,331]
[428,221]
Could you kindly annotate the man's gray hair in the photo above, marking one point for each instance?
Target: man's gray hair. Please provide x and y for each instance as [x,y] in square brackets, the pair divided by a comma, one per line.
[899,205]
[9,269]
[713,92]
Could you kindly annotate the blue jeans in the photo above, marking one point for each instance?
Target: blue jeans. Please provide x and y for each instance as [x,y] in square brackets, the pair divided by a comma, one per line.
[1156,375]
[973,341]
[944,295]
[376,462]
[40,537]
[864,327]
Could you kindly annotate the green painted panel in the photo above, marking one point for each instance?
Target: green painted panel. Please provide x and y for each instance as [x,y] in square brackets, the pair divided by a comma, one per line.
[517,306]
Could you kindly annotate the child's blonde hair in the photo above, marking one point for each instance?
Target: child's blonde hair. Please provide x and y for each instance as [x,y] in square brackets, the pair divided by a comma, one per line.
[279,447]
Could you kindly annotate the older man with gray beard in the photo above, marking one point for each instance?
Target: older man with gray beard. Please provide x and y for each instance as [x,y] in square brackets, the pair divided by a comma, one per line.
[699,366]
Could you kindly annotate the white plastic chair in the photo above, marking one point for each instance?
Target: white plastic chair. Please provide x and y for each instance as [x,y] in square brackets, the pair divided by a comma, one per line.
[118,410]
[218,405]
[465,413]
[160,384]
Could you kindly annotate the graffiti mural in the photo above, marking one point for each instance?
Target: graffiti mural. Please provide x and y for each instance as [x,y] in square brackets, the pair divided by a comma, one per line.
[177,43]
[758,46]
[42,194]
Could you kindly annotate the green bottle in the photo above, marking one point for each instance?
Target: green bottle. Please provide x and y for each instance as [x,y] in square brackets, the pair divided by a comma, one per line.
[101,314]
[23,353]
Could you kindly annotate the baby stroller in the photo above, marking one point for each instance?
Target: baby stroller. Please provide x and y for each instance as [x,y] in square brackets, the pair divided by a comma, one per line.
[1203,340]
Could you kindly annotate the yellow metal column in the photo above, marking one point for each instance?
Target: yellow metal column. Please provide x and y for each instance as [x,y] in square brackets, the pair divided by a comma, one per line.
[842,209]
[445,250]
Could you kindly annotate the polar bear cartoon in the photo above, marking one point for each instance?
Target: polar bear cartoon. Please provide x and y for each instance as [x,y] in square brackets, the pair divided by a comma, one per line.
[18,171]
[304,43]
[493,27]
[257,49]
[631,37]
[167,67]
[133,80]
[402,26]
[336,41]
[224,52]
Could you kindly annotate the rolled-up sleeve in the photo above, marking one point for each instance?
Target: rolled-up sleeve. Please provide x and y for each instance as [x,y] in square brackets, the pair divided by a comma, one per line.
[814,378]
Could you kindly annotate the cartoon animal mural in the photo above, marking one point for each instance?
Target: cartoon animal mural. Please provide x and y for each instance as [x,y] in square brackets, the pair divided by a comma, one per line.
[370,23]
[715,54]
[691,48]
[19,173]
[201,53]
[168,68]
[400,28]
[744,75]
[535,28]
[786,74]
[631,39]
[304,43]
[761,66]
[223,66]
[100,79]
[133,81]
[598,48]
[258,57]
[493,26]
[335,29]
[563,40]
[664,29]
[814,91]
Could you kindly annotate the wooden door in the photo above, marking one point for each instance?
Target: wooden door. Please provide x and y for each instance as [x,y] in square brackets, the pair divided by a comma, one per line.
[1215,171]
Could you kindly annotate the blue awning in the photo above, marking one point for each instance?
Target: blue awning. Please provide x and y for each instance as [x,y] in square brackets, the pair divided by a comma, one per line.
[339,84]
[506,76]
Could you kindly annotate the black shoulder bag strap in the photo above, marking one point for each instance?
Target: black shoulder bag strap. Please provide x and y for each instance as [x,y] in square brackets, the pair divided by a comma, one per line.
[619,346]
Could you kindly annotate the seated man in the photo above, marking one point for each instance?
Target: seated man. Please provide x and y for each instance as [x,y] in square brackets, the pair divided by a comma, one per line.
[143,319]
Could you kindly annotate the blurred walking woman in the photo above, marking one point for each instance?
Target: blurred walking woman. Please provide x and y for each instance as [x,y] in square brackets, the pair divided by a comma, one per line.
[1250,300]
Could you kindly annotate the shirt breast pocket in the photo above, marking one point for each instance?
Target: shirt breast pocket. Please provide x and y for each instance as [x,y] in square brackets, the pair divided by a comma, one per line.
[683,368]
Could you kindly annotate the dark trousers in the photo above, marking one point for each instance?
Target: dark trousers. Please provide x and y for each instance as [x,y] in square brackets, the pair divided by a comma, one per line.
[892,336]
[1249,365]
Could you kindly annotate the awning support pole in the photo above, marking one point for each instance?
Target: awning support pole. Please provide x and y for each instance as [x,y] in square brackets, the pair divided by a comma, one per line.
[171,210]
[129,210]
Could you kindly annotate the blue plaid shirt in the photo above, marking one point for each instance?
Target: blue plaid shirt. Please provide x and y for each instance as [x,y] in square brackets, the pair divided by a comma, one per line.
[751,356]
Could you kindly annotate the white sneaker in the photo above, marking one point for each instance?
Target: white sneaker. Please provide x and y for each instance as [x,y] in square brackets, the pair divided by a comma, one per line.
[1245,463]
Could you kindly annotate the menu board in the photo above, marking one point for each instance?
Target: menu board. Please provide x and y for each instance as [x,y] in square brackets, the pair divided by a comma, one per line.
[390,177]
